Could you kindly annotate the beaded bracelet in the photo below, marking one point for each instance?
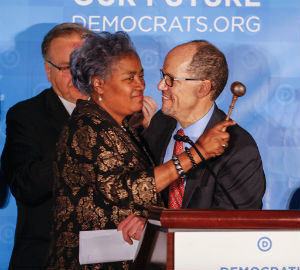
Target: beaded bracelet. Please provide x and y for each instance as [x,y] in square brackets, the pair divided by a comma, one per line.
[191,157]
[178,166]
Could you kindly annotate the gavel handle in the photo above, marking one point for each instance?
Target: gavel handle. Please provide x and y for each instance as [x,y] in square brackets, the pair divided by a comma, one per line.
[234,99]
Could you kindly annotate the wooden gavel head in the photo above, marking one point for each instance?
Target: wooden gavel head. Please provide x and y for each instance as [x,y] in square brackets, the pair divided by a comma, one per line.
[238,89]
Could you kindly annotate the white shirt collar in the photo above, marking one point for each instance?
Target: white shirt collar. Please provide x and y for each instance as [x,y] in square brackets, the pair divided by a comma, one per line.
[68,105]
[194,131]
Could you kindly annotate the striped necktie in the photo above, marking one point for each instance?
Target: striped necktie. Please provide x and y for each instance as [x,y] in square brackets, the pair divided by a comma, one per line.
[176,189]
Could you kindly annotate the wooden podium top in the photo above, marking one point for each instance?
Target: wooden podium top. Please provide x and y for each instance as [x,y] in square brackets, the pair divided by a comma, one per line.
[165,223]
[226,219]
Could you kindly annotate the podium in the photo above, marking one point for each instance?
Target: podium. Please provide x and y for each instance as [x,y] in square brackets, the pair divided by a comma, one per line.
[220,240]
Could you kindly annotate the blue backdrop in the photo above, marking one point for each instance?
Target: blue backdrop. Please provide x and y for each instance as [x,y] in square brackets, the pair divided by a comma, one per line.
[260,39]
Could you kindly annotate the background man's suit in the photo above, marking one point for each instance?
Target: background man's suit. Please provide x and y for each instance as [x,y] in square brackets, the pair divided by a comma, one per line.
[239,169]
[33,127]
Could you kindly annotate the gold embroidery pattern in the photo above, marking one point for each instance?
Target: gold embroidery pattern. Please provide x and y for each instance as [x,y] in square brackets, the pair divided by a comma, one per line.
[63,210]
[78,175]
[107,160]
[141,191]
[84,139]
[61,145]
[89,215]
[103,175]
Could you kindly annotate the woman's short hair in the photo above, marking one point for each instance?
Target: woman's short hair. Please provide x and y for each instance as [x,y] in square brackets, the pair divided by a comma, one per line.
[96,57]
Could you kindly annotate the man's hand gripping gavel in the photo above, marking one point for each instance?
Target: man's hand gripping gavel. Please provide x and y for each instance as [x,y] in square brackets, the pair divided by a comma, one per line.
[213,142]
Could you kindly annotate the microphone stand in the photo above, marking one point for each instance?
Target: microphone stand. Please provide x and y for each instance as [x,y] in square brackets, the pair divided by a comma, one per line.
[186,139]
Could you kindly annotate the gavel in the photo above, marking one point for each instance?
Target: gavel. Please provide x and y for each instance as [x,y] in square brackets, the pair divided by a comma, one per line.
[238,90]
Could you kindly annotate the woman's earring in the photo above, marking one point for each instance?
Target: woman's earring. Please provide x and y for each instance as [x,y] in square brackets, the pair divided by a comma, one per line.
[100,98]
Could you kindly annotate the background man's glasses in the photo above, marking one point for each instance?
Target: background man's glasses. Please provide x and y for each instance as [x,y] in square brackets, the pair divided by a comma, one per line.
[58,67]
[169,79]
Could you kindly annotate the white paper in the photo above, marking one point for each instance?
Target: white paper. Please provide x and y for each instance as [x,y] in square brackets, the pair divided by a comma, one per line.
[103,246]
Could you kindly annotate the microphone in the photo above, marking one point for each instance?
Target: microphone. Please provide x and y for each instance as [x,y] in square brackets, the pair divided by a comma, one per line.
[181,138]
[186,139]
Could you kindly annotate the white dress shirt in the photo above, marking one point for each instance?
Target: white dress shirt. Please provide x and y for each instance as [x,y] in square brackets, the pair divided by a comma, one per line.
[68,105]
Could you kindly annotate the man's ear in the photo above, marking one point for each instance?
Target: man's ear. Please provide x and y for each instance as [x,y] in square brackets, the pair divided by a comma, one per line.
[48,71]
[204,89]
[98,85]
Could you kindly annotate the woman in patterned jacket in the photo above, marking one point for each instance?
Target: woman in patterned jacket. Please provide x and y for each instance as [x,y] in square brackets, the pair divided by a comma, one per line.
[103,173]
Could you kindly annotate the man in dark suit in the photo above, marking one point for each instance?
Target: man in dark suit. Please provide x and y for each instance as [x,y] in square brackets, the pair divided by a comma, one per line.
[33,127]
[193,76]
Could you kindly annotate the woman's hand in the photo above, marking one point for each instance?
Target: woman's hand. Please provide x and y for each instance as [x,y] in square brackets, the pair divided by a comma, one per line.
[143,117]
[149,108]
[213,142]
[132,228]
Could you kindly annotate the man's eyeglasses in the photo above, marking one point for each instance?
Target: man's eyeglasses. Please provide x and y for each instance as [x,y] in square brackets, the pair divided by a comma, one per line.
[57,67]
[169,79]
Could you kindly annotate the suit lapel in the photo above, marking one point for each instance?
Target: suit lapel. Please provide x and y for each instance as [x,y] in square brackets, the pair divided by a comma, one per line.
[158,135]
[165,142]
[196,175]
[191,183]
[58,115]
[167,127]
[216,117]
